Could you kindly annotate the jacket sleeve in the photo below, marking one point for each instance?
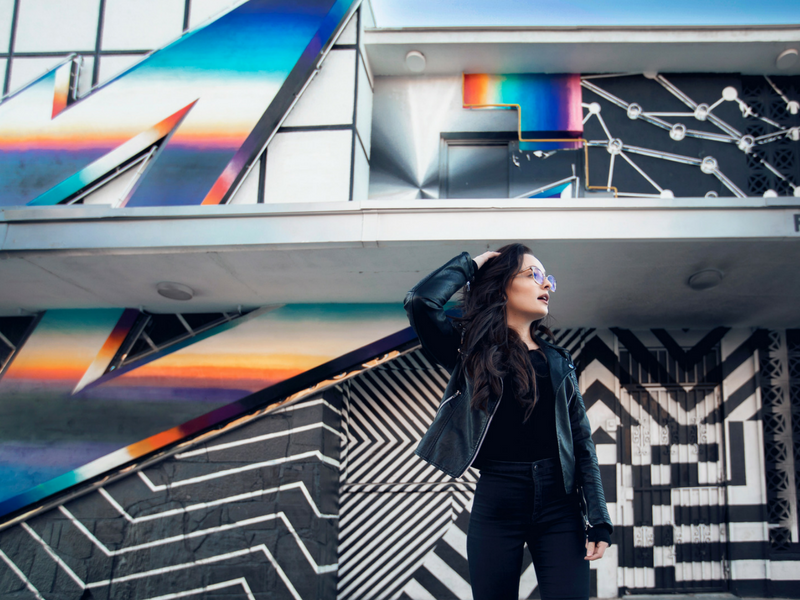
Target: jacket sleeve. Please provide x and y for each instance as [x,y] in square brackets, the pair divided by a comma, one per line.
[424,305]
[587,471]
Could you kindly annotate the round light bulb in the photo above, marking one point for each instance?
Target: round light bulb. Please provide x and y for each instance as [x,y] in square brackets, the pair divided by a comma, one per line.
[415,61]
[174,291]
[705,279]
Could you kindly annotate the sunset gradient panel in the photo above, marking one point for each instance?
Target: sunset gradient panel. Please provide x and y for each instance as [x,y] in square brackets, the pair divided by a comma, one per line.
[215,96]
[61,349]
[237,358]
[549,106]
[209,379]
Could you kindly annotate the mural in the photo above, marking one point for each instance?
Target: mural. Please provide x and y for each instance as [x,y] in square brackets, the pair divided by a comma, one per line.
[676,419]
[211,101]
[67,417]
[654,135]
[666,135]
[324,498]
[251,513]
[548,106]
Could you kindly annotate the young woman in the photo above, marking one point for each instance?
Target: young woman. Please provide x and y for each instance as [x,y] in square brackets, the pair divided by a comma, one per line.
[512,409]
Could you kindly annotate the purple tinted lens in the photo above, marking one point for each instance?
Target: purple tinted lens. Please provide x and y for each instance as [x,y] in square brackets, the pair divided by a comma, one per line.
[538,276]
[552,281]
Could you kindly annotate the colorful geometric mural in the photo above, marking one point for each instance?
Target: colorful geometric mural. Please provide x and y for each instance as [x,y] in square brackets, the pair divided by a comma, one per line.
[548,106]
[258,508]
[66,419]
[251,513]
[214,97]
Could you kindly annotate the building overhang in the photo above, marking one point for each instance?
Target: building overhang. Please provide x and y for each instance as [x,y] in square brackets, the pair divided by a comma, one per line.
[620,263]
[748,50]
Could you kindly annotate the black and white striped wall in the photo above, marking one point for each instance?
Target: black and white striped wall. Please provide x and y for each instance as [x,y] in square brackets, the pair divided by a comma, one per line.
[696,434]
[677,420]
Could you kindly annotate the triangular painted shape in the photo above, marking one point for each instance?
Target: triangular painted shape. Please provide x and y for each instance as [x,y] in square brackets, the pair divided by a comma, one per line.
[601,436]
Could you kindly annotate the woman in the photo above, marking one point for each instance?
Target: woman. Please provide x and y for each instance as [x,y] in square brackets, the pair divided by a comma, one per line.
[512,409]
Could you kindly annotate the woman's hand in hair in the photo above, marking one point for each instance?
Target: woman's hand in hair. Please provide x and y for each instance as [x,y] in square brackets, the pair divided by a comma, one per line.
[595,551]
[481,260]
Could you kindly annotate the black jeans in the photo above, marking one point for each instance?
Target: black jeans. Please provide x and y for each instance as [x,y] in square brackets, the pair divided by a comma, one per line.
[517,503]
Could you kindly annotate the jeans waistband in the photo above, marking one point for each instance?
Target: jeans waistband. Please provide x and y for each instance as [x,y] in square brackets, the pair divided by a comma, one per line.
[546,465]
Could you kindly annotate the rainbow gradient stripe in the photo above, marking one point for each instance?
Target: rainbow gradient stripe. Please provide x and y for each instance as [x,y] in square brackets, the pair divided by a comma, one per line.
[548,106]
[215,96]
[61,86]
[108,162]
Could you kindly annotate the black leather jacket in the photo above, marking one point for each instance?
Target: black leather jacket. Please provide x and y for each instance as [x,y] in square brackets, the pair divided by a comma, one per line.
[457,432]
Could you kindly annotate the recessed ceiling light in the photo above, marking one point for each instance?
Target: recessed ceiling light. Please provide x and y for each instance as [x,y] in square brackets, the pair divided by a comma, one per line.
[415,61]
[787,59]
[705,279]
[174,291]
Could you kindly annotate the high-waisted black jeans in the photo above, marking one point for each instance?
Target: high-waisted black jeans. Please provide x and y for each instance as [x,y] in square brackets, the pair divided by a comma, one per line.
[525,503]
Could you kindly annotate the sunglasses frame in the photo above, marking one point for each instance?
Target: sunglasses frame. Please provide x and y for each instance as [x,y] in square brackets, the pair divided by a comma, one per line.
[542,276]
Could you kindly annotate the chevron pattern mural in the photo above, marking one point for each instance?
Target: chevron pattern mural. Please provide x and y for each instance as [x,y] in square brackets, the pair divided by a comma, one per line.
[250,514]
[403,523]
[677,424]
[394,506]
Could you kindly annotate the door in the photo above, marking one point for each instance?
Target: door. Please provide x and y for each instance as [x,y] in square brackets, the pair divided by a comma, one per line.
[673,489]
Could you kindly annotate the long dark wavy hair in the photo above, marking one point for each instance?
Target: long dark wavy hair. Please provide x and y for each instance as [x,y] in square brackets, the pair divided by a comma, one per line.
[490,349]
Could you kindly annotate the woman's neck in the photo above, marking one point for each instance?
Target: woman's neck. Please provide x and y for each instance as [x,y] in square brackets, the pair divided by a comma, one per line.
[523,330]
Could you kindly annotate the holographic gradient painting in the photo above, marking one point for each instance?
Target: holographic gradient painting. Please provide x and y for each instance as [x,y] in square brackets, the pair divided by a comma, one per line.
[64,419]
[212,99]
[548,106]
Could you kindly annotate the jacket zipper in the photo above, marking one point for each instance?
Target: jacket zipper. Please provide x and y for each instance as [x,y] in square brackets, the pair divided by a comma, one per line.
[446,400]
[489,422]
[486,429]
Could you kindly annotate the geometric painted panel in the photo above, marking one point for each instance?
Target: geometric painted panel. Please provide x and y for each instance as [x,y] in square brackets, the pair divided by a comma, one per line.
[201,109]
[693,135]
[251,513]
[90,390]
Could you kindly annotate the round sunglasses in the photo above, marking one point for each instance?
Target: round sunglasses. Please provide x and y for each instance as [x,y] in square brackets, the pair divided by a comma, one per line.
[540,277]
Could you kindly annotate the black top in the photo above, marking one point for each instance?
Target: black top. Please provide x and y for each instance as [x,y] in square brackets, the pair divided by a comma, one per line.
[511,439]
[508,438]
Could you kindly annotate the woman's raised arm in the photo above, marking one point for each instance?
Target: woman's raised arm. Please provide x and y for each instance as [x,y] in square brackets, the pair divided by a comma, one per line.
[425,306]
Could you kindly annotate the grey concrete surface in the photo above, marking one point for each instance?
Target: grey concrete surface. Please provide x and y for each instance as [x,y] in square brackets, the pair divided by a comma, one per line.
[689,597]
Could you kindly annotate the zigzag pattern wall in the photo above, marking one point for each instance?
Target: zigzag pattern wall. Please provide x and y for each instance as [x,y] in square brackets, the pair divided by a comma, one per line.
[214,97]
[677,422]
[251,513]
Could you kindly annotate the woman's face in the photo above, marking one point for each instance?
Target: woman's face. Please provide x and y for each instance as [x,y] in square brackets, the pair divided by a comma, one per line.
[527,299]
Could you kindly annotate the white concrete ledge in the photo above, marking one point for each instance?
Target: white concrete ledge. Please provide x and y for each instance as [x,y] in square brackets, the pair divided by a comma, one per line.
[81,212]
[353,224]
[585,50]
[582,34]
